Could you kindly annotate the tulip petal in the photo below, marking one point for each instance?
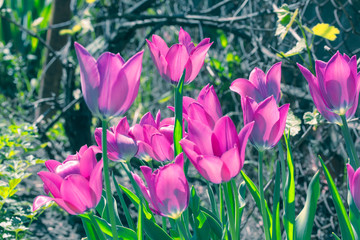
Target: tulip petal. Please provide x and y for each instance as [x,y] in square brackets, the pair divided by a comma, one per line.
[200,134]
[278,129]
[98,136]
[148,119]
[95,181]
[129,76]
[196,61]
[197,112]
[184,37]
[211,168]
[273,81]
[160,44]
[191,150]
[52,182]
[176,58]
[231,159]
[77,194]
[52,165]
[356,188]
[122,127]
[40,201]
[210,102]
[246,89]
[243,136]
[161,148]
[89,76]
[155,55]
[87,163]
[224,136]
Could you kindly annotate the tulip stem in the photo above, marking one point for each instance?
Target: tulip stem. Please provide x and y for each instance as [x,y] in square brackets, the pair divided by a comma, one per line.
[181,228]
[262,198]
[109,200]
[229,199]
[283,169]
[350,147]
[99,233]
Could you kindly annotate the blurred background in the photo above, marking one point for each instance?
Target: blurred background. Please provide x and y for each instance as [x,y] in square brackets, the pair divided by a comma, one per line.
[43,115]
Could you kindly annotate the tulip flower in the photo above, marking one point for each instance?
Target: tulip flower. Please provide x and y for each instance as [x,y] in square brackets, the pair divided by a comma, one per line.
[259,86]
[109,84]
[154,137]
[120,145]
[269,121]
[206,108]
[75,184]
[354,184]
[167,190]
[171,62]
[218,154]
[335,89]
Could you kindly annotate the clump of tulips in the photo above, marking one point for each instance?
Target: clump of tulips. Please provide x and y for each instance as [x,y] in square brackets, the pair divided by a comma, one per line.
[210,142]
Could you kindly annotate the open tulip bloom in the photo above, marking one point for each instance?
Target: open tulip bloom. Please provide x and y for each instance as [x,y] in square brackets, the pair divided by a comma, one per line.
[109,84]
[335,89]
[218,154]
[167,190]
[270,121]
[259,86]
[120,145]
[171,62]
[75,184]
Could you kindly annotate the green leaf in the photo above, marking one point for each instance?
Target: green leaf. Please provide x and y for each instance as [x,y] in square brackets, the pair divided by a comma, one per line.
[313,118]
[223,40]
[336,237]
[289,208]
[299,47]
[256,196]
[133,198]
[345,226]
[152,230]
[305,219]
[103,211]
[326,31]
[214,224]
[284,24]
[212,199]
[354,215]
[89,229]
[140,222]
[276,231]
[178,128]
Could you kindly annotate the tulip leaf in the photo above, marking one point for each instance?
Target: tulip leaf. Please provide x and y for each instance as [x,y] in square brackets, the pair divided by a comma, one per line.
[336,236]
[178,128]
[289,208]
[256,196]
[133,198]
[276,231]
[212,199]
[354,215]
[285,20]
[152,230]
[123,205]
[345,226]
[89,229]
[305,220]
[103,211]
[299,47]
[326,31]
[215,225]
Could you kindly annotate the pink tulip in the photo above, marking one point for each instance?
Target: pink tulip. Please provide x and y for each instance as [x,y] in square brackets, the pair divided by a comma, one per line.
[167,190]
[109,85]
[270,121]
[75,184]
[354,184]
[218,154]
[154,137]
[206,108]
[120,145]
[171,62]
[335,89]
[259,86]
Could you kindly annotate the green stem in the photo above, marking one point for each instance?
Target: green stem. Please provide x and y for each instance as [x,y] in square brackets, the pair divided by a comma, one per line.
[262,198]
[109,200]
[229,199]
[237,205]
[181,228]
[139,226]
[221,207]
[283,170]
[164,224]
[99,233]
[350,147]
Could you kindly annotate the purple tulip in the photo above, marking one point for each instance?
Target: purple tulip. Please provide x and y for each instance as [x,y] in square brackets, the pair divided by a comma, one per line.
[167,190]
[154,137]
[120,145]
[270,121]
[354,184]
[75,184]
[206,108]
[259,86]
[109,85]
[171,62]
[335,89]
[218,154]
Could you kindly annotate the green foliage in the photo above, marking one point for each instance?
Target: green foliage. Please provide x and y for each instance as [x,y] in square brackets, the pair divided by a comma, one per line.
[17,143]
